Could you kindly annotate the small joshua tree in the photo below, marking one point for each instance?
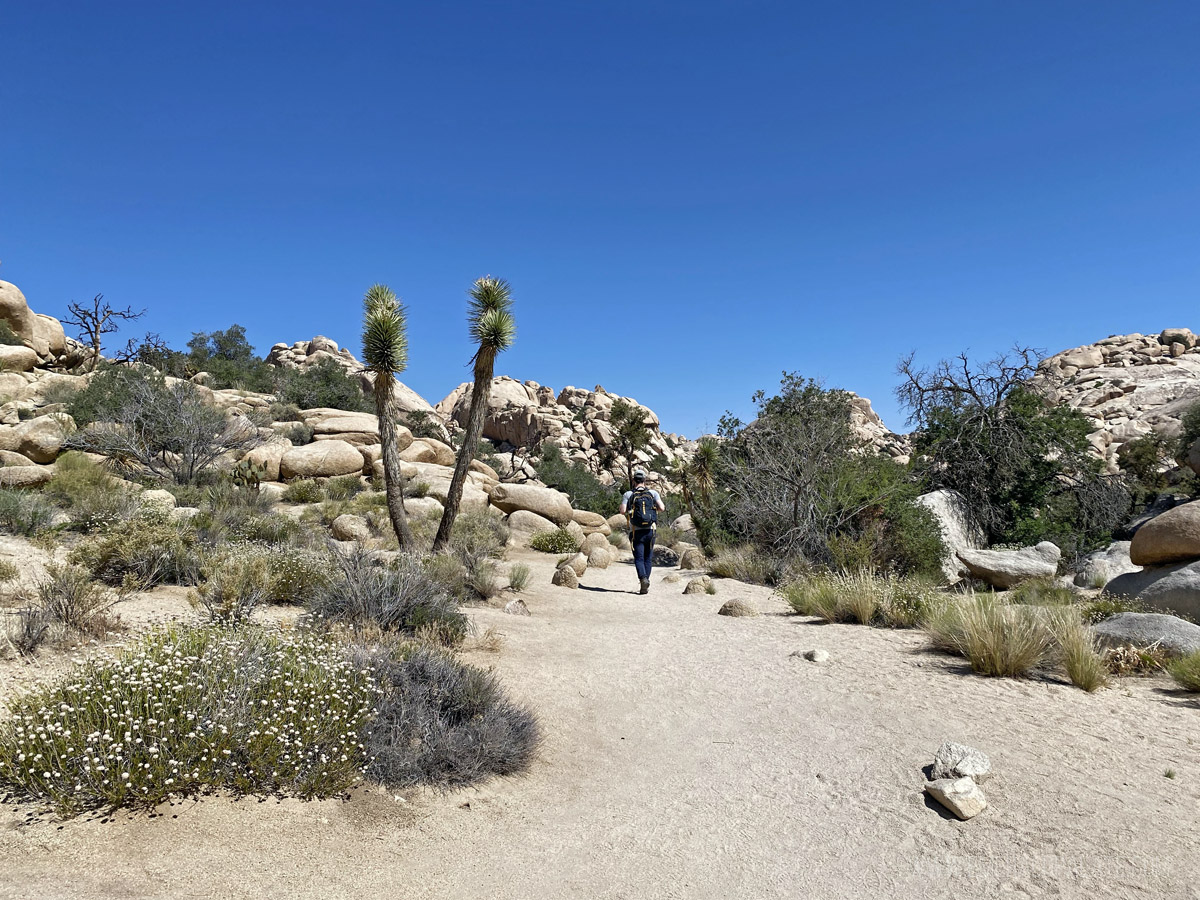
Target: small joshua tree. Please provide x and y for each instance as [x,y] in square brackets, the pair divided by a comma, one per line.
[494,329]
[385,353]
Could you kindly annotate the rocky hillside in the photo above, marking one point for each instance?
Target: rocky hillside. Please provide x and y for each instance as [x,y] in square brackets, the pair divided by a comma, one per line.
[1128,385]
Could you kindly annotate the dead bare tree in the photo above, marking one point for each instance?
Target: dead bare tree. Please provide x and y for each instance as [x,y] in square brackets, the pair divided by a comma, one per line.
[96,320]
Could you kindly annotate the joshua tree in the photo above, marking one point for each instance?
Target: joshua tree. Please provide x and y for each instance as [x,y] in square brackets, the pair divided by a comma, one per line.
[493,328]
[698,477]
[385,352]
[630,433]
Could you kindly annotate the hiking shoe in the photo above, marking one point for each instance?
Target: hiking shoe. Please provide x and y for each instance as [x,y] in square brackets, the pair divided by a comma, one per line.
[645,586]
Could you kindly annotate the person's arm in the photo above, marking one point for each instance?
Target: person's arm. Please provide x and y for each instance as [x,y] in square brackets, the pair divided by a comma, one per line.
[662,507]
[624,500]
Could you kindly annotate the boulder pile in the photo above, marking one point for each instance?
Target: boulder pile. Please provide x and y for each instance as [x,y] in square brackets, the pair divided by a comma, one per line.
[1168,549]
[1128,385]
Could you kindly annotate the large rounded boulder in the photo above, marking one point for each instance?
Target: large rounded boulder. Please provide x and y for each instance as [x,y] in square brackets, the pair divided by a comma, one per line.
[1173,537]
[553,505]
[321,459]
[15,312]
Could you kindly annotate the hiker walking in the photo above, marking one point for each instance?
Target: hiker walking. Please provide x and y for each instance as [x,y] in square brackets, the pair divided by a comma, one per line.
[641,507]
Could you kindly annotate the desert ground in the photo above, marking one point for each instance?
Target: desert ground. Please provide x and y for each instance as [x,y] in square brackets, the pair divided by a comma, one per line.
[691,755]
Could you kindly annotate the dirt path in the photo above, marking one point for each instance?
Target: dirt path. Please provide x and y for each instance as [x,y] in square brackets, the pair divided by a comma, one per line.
[690,755]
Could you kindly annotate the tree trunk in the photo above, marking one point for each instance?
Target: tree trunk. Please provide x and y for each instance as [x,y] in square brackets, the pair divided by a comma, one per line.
[393,477]
[466,455]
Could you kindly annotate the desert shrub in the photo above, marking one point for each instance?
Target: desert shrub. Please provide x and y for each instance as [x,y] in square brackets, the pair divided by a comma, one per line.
[69,597]
[344,487]
[284,412]
[141,552]
[303,490]
[518,577]
[324,385]
[190,710]
[271,528]
[1189,429]
[422,425]
[236,586]
[1145,460]
[8,571]
[229,360]
[1046,590]
[8,336]
[744,563]
[91,497]
[620,540]
[299,434]
[443,723]
[415,490]
[483,578]
[359,592]
[478,534]
[557,541]
[1106,606]
[1186,671]
[24,512]
[1022,462]
[162,431]
[449,571]
[574,479]
[27,628]
[108,390]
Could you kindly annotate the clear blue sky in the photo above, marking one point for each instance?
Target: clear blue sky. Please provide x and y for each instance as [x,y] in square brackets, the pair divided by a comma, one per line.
[688,198]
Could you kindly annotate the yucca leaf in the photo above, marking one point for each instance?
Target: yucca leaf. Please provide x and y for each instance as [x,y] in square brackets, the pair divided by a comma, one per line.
[385,338]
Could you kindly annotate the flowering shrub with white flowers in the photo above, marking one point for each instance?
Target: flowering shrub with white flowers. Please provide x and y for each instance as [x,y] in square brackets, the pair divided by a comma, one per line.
[189,710]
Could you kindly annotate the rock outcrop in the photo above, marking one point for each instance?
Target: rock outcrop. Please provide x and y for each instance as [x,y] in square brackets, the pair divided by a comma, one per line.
[1128,385]
[1171,589]
[960,530]
[1169,538]
[1141,630]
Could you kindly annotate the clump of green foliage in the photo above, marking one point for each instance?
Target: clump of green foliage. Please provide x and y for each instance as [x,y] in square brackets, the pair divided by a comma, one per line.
[303,490]
[1022,462]
[1186,671]
[560,540]
[324,385]
[142,552]
[91,497]
[798,483]
[574,479]
[24,512]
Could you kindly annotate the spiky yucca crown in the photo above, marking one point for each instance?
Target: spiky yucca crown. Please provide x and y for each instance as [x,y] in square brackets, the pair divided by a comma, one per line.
[493,327]
[385,339]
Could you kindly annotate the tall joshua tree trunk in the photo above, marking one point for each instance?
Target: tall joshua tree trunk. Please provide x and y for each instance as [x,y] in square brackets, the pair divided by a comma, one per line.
[492,326]
[385,352]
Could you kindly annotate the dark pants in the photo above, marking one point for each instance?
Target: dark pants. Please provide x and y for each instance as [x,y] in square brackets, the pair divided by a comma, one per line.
[643,552]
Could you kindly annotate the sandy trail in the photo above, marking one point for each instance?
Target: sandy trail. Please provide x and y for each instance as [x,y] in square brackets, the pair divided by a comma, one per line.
[690,755]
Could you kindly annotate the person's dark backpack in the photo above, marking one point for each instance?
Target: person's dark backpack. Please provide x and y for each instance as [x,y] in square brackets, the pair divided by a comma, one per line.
[642,512]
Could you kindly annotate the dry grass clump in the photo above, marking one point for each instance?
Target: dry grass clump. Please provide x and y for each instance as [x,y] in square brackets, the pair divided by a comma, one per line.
[744,563]
[91,497]
[1079,651]
[860,598]
[518,577]
[1127,660]
[24,512]
[189,710]
[996,638]
[303,490]
[1186,671]
[142,552]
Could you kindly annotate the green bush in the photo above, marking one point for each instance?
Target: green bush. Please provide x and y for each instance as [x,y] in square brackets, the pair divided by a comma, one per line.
[1189,429]
[324,385]
[1043,591]
[744,563]
[109,389]
[69,597]
[142,552]
[1106,606]
[518,577]
[8,336]
[285,412]
[344,487]
[24,512]
[558,541]
[422,425]
[299,434]
[91,497]
[8,571]
[229,360]
[1186,671]
[191,710]
[442,722]
[303,490]
[237,585]
[577,482]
